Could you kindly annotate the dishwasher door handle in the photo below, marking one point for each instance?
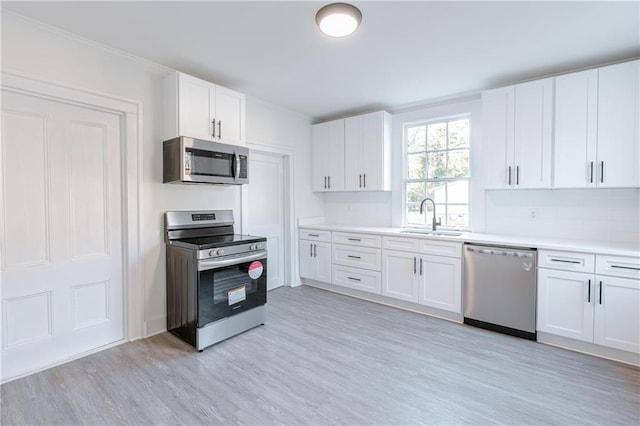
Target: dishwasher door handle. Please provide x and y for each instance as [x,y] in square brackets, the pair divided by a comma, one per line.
[499,252]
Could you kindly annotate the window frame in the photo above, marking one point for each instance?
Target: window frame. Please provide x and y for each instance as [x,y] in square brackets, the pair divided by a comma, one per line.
[405,167]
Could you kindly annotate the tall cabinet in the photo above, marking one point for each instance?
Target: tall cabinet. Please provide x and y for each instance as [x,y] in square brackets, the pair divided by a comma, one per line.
[597,141]
[517,127]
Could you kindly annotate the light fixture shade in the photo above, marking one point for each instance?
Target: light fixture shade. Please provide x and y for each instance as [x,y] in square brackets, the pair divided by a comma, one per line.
[338,19]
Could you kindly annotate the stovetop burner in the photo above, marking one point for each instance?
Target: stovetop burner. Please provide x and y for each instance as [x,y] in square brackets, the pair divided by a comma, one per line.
[203,243]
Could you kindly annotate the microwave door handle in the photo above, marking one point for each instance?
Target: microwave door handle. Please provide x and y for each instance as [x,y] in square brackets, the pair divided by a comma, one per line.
[236,159]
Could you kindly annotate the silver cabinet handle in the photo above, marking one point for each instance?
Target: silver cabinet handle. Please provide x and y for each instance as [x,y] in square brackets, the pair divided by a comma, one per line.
[213,132]
[353,279]
[354,239]
[421,266]
[219,129]
[602,172]
[353,257]
[589,292]
[631,268]
[314,235]
[414,266]
[601,292]
[517,175]
[310,250]
[576,262]
[364,180]
[509,178]
[591,172]
[360,180]
[325,182]
[329,181]
[315,250]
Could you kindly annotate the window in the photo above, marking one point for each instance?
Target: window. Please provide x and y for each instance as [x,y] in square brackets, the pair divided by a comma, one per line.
[437,166]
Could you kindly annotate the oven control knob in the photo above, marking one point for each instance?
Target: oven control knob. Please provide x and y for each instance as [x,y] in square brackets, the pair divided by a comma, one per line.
[212,253]
[253,247]
[220,252]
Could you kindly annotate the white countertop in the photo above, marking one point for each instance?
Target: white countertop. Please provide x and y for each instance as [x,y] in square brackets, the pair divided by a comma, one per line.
[584,246]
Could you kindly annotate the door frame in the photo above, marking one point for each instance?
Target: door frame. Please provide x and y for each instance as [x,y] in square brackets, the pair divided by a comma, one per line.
[130,113]
[289,208]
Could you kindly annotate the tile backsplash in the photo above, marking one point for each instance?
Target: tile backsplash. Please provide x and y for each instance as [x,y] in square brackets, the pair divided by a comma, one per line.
[582,214]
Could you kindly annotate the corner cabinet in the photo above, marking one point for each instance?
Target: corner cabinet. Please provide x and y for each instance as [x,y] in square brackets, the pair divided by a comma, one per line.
[596,139]
[517,127]
[202,110]
[352,154]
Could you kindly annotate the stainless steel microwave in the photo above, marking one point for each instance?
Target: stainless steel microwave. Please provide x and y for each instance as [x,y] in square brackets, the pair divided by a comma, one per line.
[188,160]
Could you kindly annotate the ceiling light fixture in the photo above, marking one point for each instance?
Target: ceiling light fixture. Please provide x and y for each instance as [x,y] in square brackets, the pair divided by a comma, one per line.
[338,19]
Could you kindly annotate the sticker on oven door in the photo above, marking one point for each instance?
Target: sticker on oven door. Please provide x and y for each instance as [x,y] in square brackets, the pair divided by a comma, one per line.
[255,269]
[236,295]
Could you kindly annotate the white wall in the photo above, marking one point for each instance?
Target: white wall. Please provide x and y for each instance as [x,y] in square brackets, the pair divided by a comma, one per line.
[583,214]
[60,57]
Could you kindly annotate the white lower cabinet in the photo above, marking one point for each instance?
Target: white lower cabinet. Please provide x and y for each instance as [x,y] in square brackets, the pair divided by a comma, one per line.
[434,281]
[591,307]
[399,275]
[315,260]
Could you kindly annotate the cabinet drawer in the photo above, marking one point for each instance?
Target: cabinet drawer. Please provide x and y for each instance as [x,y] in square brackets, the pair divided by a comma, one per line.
[441,248]
[358,257]
[403,244]
[566,261]
[364,240]
[314,234]
[358,279]
[618,266]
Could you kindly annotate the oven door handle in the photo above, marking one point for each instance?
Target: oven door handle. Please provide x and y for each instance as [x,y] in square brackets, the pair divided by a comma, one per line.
[206,264]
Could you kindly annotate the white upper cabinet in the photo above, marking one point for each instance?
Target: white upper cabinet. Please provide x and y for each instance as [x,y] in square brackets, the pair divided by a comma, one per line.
[618,137]
[368,152]
[517,126]
[352,154]
[596,128]
[202,110]
[327,156]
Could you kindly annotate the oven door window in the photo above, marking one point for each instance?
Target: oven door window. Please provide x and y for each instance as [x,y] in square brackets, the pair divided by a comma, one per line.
[227,291]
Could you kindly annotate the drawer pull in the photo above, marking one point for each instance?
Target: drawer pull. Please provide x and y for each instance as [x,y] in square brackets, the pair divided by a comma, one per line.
[574,262]
[631,268]
[601,292]
[354,239]
[353,279]
[353,257]
[313,235]
[589,293]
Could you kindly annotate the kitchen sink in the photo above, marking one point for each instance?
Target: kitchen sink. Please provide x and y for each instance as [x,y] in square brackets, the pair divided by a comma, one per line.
[429,232]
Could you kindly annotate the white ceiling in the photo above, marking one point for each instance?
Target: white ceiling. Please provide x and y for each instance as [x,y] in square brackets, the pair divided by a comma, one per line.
[404,53]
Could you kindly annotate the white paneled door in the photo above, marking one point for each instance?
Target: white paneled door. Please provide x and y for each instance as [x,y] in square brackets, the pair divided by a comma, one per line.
[61,252]
[266,210]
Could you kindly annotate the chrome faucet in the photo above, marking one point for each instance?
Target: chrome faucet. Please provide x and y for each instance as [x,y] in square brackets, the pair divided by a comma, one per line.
[433,222]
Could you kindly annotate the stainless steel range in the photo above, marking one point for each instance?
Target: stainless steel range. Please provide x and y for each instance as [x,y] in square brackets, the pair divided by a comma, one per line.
[216,279]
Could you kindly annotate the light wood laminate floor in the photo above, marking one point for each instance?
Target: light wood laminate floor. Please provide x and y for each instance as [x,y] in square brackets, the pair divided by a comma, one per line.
[323,358]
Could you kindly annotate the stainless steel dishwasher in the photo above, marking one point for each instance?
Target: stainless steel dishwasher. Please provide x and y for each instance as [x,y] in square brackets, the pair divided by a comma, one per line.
[500,289]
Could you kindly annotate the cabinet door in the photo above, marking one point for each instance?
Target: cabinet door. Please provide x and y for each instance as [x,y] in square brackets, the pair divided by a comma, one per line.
[617,313]
[307,261]
[327,156]
[399,275]
[440,283]
[376,151]
[353,149]
[322,255]
[497,127]
[229,114]
[576,118]
[565,304]
[532,134]
[618,137]
[195,98]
